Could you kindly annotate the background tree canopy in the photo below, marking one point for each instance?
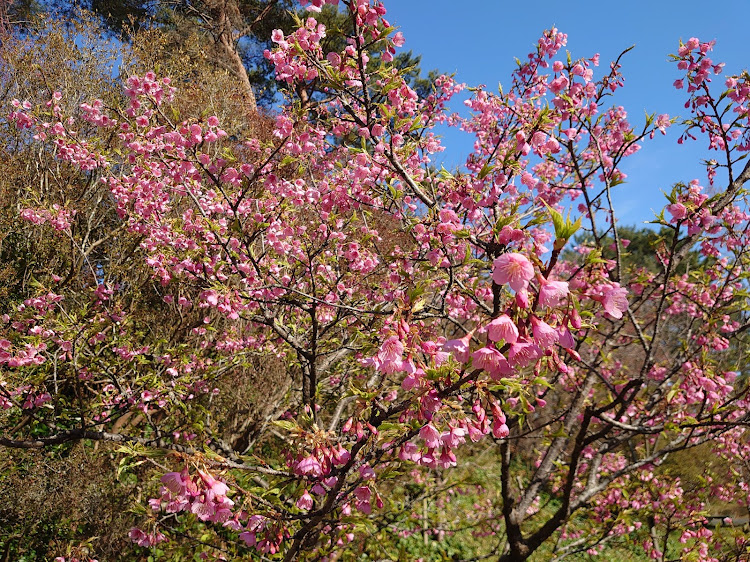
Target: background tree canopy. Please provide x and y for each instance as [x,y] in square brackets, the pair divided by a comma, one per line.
[220,34]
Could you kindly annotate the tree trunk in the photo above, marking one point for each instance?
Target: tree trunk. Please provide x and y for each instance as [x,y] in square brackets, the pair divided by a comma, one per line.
[227,44]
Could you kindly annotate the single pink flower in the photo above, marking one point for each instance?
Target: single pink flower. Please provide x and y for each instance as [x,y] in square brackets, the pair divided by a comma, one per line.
[305,502]
[340,455]
[454,437]
[390,356]
[566,338]
[559,84]
[362,503]
[500,430]
[497,412]
[678,211]
[204,510]
[447,458]
[391,350]
[514,269]
[523,353]
[459,348]
[545,335]
[502,328]
[409,452]
[309,466]
[430,435]
[174,482]
[217,487]
[551,293]
[615,300]
[487,359]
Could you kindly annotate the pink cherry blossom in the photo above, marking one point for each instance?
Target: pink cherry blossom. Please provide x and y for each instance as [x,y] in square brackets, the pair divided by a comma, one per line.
[500,430]
[174,482]
[309,465]
[544,335]
[552,293]
[523,353]
[514,269]
[363,495]
[430,435]
[487,359]
[615,300]
[678,211]
[459,348]
[502,328]
[390,356]
[305,502]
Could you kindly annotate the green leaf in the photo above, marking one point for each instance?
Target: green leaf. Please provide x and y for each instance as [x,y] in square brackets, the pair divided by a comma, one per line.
[486,169]
[286,424]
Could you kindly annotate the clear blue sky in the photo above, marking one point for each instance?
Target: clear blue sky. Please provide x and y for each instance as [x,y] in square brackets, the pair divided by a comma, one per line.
[480,39]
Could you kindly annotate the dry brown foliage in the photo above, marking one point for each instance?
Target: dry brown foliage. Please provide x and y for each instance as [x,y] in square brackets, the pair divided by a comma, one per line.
[75,487]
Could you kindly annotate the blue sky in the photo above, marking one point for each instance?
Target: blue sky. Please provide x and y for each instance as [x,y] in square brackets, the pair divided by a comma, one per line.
[480,39]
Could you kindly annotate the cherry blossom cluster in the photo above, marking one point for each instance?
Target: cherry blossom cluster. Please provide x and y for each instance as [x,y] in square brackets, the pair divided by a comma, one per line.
[286,60]
[201,494]
[57,217]
[722,119]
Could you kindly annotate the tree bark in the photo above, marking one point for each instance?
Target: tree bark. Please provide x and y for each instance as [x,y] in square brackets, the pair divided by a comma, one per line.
[227,44]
